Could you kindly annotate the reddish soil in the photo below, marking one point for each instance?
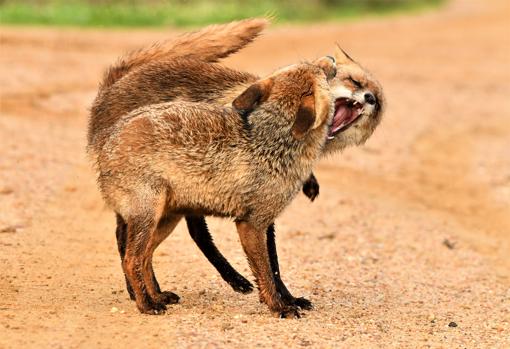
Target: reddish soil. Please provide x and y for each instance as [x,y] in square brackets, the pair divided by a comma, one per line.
[371,252]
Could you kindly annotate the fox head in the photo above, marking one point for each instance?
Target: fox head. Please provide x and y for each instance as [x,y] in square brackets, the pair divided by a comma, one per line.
[359,103]
[299,94]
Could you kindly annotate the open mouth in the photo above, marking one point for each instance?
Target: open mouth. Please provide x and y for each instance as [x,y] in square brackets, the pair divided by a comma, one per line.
[346,112]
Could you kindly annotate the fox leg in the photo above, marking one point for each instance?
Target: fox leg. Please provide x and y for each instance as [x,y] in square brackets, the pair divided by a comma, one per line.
[254,244]
[287,297]
[137,260]
[197,228]
[121,234]
[165,226]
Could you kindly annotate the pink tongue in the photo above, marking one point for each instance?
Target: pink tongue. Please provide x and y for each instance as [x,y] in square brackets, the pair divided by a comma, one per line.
[343,113]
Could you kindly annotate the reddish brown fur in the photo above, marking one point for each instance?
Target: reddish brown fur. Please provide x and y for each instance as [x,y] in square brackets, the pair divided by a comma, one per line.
[176,70]
[168,66]
[170,159]
[209,45]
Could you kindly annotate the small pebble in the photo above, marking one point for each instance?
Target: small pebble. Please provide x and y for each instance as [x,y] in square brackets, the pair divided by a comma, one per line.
[114,310]
[218,307]
[226,327]
[452,324]
[432,318]
[330,236]
[449,244]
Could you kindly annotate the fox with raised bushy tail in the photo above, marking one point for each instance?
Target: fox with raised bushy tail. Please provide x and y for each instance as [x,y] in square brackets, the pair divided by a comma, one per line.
[186,69]
[246,161]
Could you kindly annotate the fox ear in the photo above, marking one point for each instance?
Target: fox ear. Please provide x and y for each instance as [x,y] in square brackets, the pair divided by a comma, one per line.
[253,96]
[312,112]
[305,117]
[328,66]
[342,56]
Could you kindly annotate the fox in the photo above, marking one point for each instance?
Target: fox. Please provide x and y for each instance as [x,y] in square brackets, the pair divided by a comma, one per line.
[186,68]
[246,161]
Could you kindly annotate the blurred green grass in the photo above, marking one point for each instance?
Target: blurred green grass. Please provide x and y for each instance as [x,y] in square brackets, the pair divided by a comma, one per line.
[189,13]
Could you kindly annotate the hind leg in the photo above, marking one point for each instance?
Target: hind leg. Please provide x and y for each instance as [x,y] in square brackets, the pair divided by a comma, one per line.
[121,234]
[165,226]
[197,228]
[137,259]
[147,227]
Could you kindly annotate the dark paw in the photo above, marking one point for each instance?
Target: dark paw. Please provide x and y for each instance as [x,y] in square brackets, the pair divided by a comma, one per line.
[289,312]
[240,284]
[168,297]
[302,303]
[311,188]
[154,308]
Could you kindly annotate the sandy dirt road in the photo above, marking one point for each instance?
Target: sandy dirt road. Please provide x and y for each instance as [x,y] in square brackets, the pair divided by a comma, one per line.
[370,252]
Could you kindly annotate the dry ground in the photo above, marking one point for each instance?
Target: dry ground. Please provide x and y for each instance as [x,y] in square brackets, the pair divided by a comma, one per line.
[370,252]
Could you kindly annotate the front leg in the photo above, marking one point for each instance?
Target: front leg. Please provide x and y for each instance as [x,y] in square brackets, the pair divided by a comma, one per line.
[287,297]
[254,244]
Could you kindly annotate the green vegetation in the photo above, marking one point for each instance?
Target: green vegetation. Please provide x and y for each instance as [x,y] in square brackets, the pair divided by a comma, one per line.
[185,13]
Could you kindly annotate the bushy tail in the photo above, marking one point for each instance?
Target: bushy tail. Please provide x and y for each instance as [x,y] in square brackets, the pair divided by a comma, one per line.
[209,44]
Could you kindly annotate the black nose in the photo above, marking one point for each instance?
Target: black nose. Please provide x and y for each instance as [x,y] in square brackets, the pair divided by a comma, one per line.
[370,98]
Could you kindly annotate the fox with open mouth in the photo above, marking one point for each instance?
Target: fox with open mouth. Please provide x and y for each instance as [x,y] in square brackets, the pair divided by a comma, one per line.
[186,69]
[359,104]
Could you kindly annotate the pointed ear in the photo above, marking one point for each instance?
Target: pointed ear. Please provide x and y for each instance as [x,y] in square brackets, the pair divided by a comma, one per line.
[253,96]
[305,117]
[328,65]
[342,56]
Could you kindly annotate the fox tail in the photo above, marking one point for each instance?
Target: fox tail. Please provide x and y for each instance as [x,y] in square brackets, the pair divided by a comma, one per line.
[209,44]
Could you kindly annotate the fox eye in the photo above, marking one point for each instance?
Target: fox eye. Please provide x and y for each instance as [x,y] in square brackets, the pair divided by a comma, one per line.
[355,82]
